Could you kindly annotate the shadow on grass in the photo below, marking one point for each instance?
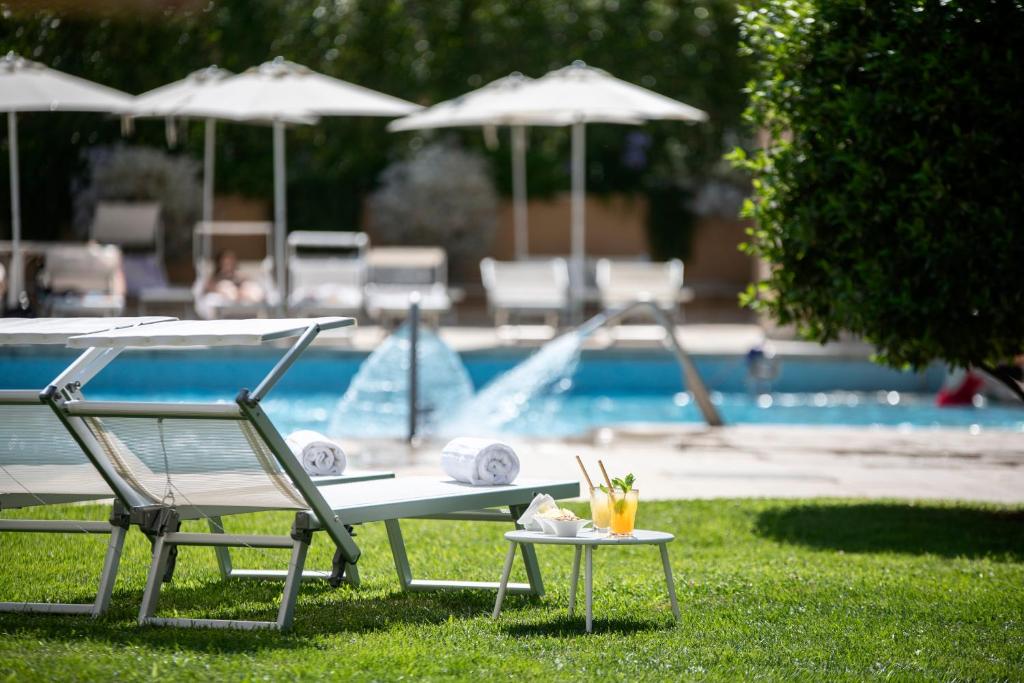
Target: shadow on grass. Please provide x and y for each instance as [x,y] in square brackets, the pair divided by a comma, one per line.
[565,626]
[890,527]
[320,610]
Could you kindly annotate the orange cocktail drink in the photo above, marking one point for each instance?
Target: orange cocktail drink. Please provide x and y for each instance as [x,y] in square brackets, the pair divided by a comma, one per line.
[623,517]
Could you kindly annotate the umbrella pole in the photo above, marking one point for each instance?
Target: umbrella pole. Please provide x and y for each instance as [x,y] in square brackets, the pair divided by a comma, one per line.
[579,190]
[209,161]
[14,285]
[280,213]
[522,231]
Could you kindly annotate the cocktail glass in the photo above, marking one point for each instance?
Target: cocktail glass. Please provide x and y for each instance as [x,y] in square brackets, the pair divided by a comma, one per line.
[623,517]
[600,509]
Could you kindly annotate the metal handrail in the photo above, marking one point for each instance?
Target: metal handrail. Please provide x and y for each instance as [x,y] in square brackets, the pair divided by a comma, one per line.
[691,378]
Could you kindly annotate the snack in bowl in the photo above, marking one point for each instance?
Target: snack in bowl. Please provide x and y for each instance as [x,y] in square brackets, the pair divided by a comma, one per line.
[561,522]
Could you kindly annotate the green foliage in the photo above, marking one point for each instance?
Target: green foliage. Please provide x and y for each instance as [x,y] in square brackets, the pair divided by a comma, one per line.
[889,200]
[626,484]
[423,51]
[819,590]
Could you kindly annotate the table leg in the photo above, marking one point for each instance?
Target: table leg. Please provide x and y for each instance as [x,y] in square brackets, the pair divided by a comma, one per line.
[668,580]
[575,580]
[588,586]
[503,586]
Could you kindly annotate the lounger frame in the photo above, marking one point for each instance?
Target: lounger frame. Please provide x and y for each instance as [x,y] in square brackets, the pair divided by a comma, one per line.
[82,369]
[161,522]
[115,527]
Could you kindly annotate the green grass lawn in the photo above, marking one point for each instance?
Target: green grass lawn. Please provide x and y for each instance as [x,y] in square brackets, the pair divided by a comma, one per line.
[781,590]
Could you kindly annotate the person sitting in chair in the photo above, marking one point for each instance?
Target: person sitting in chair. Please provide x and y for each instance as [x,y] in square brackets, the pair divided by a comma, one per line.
[230,284]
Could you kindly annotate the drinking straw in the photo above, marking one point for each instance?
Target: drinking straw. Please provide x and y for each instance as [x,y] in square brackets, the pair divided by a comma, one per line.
[607,479]
[584,470]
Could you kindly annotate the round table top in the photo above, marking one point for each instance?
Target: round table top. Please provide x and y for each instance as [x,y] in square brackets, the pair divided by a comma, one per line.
[590,537]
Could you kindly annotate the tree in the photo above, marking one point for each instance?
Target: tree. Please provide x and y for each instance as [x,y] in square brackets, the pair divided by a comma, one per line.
[888,202]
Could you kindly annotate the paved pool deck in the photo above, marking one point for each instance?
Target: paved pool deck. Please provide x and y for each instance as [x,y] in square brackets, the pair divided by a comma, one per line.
[765,461]
[699,339]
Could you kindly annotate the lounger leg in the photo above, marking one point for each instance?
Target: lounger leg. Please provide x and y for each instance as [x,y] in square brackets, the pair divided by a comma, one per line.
[529,557]
[223,553]
[407,582]
[228,571]
[109,574]
[150,597]
[503,585]
[292,583]
[669,581]
[297,542]
[116,528]
[575,579]
[394,530]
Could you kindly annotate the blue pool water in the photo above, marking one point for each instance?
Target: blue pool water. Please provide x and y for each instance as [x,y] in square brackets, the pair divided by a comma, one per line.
[608,388]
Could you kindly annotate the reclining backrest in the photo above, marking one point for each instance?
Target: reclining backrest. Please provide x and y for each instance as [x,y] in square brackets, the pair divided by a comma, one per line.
[198,461]
[311,272]
[624,281]
[82,268]
[202,456]
[511,279]
[130,225]
[40,463]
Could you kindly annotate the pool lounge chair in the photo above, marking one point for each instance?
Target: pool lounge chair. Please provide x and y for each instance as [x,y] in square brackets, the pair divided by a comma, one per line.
[40,463]
[623,282]
[207,238]
[326,272]
[395,274]
[84,279]
[211,460]
[135,227]
[526,288]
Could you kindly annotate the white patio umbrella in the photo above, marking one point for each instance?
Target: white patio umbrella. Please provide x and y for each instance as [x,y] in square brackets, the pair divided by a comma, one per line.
[281,91]
[27,86]
[495,104]
[576,95]
[167,99]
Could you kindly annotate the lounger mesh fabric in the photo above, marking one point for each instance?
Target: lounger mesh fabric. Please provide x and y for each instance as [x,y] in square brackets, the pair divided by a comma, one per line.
[39,458]
[195,462]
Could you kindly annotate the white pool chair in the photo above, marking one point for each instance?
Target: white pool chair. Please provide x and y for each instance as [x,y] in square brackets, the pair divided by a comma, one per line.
[326,272]
[137,229]
[623,282]
[205,239]
[210,460]
[527,288]
[41,464]
[395,274]
[84,279]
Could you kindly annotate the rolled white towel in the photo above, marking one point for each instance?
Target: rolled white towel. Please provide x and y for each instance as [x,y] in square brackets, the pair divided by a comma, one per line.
[480,462]
[319,455]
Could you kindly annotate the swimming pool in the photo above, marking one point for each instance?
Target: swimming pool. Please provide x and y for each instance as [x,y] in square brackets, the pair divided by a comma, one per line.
[608,388]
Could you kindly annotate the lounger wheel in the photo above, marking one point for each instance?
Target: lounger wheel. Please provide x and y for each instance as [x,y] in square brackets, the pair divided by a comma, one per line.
[339,563]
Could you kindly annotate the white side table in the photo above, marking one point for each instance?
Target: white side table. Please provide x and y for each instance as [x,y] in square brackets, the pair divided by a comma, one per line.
[585,543]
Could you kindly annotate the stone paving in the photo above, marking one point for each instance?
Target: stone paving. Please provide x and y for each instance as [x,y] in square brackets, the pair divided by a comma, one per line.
[766,461]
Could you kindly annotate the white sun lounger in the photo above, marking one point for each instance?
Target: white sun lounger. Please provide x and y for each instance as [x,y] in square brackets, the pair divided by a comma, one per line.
[209,460]
[210,305]
[84,279]
[526,287]
[326,272]
[41,464]
[623,282]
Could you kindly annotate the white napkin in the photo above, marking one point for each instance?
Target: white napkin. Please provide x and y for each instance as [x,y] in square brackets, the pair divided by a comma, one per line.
[540,503]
